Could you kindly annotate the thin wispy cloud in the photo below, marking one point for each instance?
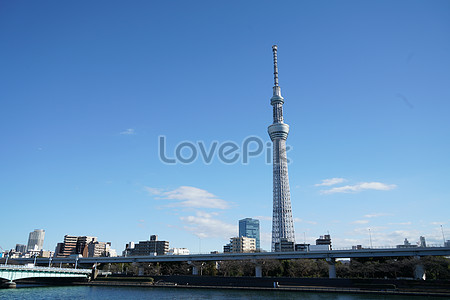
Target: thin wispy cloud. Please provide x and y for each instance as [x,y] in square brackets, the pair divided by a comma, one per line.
[360,222]
[363,186]
[331,181]
[204,225]
[141,223]
[400,223]
[298,220]
[263,218]
[438,223]
[265,237]
[188,196]
[129,131]
[374,230]
[376,215]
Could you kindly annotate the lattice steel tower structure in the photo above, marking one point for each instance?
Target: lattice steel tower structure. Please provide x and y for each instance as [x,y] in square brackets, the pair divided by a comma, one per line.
[282,222]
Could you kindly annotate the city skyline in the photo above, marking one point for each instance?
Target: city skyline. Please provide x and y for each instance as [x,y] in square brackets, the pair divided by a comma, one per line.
[87,92]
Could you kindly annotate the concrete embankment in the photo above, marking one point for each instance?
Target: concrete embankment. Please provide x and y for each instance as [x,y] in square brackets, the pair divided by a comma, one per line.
[357,286]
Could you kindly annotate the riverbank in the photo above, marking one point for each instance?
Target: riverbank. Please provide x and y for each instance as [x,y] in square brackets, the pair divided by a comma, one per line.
[316,285]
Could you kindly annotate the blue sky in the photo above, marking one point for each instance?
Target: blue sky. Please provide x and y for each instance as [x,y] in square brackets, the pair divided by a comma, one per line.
[87,87]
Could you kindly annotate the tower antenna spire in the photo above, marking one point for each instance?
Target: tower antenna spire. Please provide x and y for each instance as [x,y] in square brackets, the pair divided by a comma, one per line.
[275,64]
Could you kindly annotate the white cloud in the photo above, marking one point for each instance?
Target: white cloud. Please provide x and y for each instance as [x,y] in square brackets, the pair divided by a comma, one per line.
[438,223]
[400,223]
[188,196]
[141,223]
[129,131]
[331,181]
[376,215]
[360,187]
[360,222]
[204,225]
[263,218]
[265,237]
[298,220]
[153,191]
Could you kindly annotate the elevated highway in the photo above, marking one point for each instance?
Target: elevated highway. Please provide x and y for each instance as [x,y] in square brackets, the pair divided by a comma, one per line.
[195,259]
[331,254]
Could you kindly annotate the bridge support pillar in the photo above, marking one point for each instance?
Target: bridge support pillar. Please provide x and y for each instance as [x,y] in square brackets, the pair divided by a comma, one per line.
[419,270]
[9,285]
[195,267]
[331,267]
[194,270]
[258,270]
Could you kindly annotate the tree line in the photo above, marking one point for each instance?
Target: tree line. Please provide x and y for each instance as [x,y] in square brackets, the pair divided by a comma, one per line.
[402,267]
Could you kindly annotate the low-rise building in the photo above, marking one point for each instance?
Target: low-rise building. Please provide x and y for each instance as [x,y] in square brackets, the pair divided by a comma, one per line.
[178,251]
[406,244]
[301,247]
[324,240]
[227,248]
[323,243]
[150,247]
[284,246]
[128,249]
[240,244]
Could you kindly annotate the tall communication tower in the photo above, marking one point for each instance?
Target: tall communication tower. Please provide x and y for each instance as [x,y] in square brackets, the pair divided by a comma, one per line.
[282,222]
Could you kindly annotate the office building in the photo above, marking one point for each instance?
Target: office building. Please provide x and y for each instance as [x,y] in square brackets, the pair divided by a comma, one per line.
[21,248]
[36,240]
[83,243]
[422,242]
[68,247]
[86,246]
[249,227]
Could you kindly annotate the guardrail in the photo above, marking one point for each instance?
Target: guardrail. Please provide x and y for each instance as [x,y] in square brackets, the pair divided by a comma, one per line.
[391,247]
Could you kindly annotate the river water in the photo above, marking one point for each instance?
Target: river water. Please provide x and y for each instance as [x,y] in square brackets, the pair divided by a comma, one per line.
[107,292]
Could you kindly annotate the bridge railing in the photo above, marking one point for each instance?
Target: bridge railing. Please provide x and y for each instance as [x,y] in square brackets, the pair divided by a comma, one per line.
[391,247]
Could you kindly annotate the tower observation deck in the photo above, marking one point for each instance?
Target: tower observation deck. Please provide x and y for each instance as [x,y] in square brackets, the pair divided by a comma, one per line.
[282,222]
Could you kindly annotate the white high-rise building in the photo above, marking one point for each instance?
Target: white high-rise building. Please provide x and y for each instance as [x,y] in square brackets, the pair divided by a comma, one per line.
[282,221]
[36,240]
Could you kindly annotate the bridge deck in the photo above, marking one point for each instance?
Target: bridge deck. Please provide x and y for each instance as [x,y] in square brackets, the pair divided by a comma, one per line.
[13,272]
